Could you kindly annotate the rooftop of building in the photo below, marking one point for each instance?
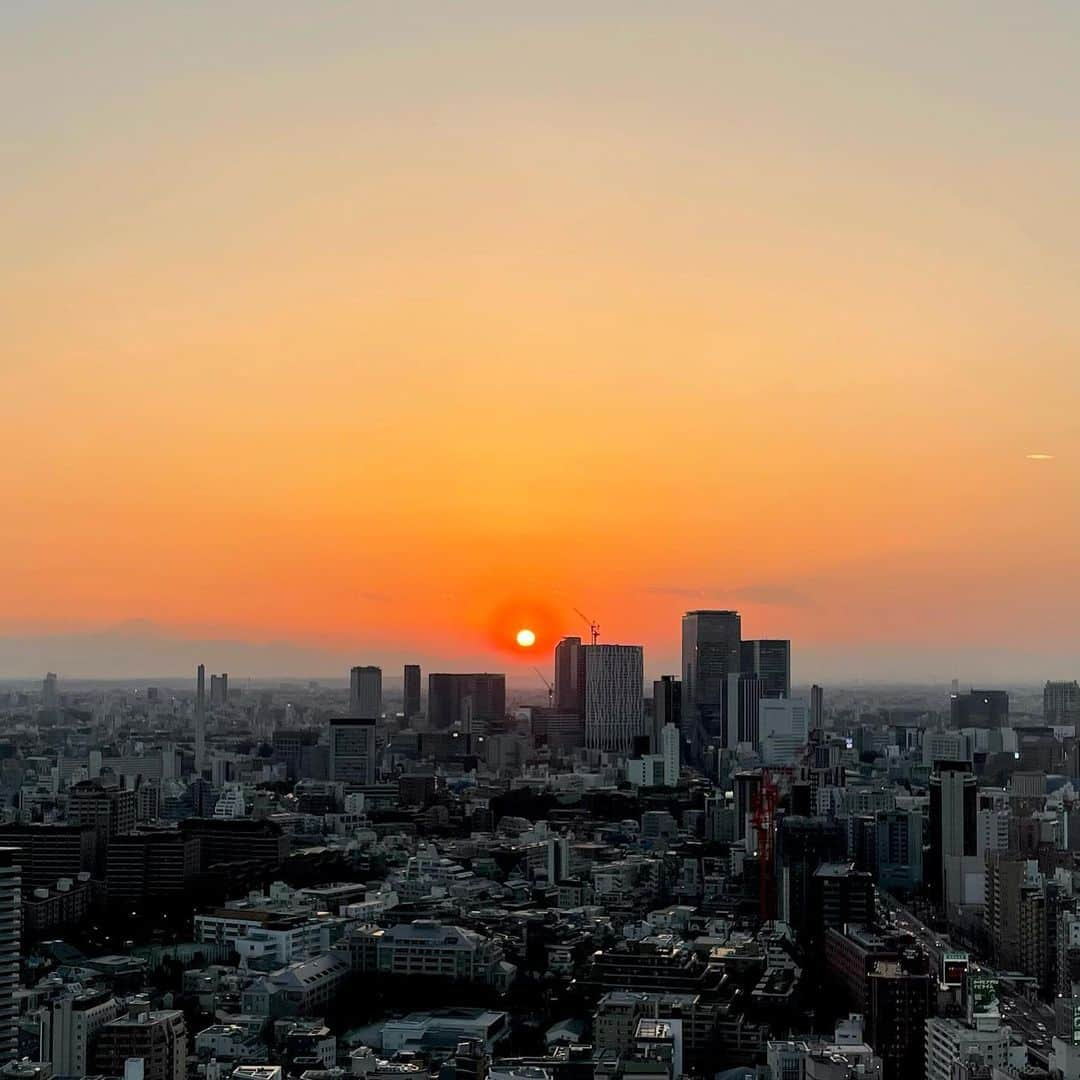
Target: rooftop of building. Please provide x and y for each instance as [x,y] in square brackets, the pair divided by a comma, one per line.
[838,869]
[461,1013]
[220,1030]
[145,1018]
[654,1029]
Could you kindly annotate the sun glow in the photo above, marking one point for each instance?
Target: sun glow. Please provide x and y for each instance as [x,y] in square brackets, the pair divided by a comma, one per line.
[526,638]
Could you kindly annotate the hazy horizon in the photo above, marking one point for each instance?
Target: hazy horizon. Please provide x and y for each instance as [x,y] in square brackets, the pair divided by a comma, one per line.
[142,652]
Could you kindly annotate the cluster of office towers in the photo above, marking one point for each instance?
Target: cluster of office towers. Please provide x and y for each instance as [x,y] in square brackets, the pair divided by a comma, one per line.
[466,702]
[717,701]
[598,694]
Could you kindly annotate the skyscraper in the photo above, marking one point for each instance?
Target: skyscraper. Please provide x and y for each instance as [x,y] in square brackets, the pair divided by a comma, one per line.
[900,1002]
[10,927]
[980,708]
[1061,702]
[711,642]
[365,692]
[802,845]
[667,709]
[614,706]
[953,819]
[669,748]
[352,750]
[770,660]
[453,698]
[219,690]
[104,806]
[898,849]
[50,698]
[412,691]
[817,708]
[740,701]
[200,720]
[569,676]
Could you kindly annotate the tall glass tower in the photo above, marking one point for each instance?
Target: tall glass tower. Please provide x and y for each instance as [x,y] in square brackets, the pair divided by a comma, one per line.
[711,642]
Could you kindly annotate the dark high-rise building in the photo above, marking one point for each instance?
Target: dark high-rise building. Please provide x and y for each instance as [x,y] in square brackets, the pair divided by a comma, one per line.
[203,796]
[747,787]
[667,708]
[49,852]
[898,850]
[569,676]
[711,645]
[740,709]
[1061,702]
[1006,880]
[899,1003]
[817,708]
[290,746]
[219,690]
[352,750]
[365,692]
[151,864]
[10,911]
[412,691]
[50,698]
[839,894]
[802,845]
[478,698]
[108,809]
[200,719]
[953,820]
[770,660]
[981,709]
[225,841]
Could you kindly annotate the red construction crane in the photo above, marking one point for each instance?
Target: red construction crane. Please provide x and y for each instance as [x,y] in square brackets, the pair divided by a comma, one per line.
[763,819]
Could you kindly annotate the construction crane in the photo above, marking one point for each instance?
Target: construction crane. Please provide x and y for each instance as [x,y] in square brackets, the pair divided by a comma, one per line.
[594,627]
[763,819]
[550,688]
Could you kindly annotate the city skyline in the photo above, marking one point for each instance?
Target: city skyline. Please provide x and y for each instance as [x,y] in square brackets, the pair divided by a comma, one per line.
[431,319]
[539,541]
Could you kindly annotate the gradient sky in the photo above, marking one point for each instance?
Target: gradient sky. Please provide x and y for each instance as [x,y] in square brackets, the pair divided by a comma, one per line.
[372,328]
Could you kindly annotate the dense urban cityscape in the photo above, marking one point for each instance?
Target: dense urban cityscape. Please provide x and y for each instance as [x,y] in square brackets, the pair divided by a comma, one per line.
[538,541]
[714,876]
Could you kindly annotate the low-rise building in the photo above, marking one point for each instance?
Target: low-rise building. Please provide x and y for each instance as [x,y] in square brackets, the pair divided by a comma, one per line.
[228,1042]
[305,988]
[271,936]
[950,1041]
[158,1037]
[427,947]
[64,904]
[443,1029]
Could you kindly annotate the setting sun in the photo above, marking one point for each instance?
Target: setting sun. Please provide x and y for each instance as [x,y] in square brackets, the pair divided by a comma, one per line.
[526,638]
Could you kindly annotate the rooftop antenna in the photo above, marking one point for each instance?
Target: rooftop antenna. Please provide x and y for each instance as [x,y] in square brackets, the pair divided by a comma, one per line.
[594,627]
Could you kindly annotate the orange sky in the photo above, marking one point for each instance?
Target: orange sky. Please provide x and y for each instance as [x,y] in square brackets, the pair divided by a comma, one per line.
[352,327]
